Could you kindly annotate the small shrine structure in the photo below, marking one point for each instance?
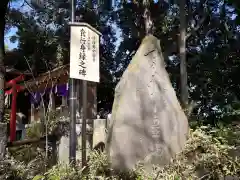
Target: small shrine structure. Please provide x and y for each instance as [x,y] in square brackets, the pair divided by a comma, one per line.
[48,90]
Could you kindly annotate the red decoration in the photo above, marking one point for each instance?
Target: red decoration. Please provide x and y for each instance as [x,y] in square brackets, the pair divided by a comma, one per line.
[13,114]
[14,90]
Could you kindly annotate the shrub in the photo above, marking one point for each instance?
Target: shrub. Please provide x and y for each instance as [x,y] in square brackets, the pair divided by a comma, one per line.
[205,156]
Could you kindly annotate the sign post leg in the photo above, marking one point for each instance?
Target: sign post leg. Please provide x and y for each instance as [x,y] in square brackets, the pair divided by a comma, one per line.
[84,122]
[72,106]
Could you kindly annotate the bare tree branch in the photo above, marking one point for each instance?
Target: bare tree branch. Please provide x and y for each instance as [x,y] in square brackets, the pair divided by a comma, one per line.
[192,31]
[46,111]
[195,29]
[25,1]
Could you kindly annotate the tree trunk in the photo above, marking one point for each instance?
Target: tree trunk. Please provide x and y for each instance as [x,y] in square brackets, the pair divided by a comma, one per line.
[182,51]
[147,18]
[3,126]
[3,11]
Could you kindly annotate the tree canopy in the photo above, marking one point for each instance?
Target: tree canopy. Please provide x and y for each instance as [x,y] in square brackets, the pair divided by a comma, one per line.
[212,45]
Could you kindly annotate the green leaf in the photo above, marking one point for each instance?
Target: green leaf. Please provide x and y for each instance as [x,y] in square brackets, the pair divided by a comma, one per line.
[53,177]
[38,177]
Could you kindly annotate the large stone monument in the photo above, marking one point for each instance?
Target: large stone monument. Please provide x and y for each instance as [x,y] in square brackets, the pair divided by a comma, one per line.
[148,124]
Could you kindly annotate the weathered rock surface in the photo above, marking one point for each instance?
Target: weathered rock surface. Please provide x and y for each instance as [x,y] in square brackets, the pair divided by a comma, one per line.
[147,122]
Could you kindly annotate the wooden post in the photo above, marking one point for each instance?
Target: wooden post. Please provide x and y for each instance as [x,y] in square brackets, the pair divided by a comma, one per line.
[64,106]
[64,102]
[32,113]
[15,89]
[42,112]
[13,114]
[51,106]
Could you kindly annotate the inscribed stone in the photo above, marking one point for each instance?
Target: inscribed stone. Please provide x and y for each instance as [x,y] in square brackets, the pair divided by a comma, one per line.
[147,124]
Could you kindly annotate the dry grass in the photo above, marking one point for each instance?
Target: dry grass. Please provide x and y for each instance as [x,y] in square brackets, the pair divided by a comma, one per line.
[206,156]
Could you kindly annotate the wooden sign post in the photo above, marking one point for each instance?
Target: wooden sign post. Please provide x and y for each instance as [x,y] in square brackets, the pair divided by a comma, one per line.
[84,65]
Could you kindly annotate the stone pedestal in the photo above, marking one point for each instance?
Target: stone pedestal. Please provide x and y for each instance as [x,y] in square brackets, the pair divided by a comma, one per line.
[63,148]
[99,132]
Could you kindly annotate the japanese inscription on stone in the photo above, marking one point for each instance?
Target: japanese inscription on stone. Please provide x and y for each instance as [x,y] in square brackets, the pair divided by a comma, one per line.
[148,125]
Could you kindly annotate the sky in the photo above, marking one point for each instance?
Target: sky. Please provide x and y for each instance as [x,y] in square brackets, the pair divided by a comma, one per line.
[19,4]
[8,43]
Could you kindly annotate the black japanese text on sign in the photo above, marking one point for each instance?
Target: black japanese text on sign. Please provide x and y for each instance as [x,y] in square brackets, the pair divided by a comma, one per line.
[89,41]
[94,48]
[82,54]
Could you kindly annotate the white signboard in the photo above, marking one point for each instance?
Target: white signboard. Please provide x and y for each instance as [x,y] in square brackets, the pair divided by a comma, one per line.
[84,52]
